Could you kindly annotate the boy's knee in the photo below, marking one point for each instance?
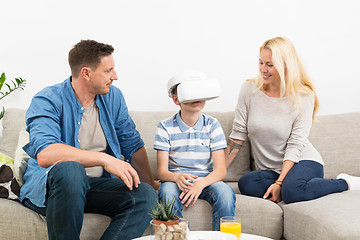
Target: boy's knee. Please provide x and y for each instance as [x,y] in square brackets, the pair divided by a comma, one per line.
[230,195]
[225,192]
[168,189]
[228,198]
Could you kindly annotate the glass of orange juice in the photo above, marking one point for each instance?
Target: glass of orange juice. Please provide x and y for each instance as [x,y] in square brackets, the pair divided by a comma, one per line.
[231,224]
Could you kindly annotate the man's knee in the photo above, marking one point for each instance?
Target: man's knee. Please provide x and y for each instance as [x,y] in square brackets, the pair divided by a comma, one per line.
[68,168]
[148,193]
[68,174]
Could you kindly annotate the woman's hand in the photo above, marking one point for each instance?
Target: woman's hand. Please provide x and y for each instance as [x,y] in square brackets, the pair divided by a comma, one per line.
[275,191]
[275,188]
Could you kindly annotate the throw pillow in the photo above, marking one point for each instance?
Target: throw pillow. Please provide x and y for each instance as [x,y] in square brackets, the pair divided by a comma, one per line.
[21,157]
[9,187]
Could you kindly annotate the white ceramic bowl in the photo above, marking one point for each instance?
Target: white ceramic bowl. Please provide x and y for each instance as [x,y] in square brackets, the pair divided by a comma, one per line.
[208,235]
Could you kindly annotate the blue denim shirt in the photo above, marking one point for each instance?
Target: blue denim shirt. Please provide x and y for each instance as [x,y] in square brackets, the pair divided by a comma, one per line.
[55,115]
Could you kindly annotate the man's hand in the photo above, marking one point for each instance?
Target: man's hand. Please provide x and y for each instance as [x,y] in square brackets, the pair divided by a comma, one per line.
[123,170]
[275,191]
[185,181]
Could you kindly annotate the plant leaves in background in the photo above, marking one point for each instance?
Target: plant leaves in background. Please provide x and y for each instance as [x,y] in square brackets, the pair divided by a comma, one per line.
[19,83]
[2,80]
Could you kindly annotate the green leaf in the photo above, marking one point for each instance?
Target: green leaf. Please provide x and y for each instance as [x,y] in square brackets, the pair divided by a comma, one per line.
[2,113]
[2,80]
[19,83]
[8,87]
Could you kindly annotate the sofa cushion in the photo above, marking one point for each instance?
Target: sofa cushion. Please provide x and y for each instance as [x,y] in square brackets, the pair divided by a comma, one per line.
[21,157]
[259,216]
[335,216]
[9,187]
[336,137]
[13,122]
[23,223]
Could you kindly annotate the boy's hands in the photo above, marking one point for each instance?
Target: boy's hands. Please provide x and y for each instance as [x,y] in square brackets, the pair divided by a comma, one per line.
[190,196]
[190,191]
[185,181]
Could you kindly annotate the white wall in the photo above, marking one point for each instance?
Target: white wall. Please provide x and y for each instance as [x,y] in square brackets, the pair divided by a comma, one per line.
[154,39]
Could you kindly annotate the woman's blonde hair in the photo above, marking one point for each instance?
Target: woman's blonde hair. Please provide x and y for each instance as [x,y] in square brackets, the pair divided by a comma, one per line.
[294,80]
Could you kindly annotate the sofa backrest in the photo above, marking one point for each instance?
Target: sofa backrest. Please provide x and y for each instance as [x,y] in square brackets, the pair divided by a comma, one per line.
[12,122]
[336,137]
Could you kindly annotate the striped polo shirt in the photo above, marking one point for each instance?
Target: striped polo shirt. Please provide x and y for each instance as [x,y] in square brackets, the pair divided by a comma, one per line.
[190,147]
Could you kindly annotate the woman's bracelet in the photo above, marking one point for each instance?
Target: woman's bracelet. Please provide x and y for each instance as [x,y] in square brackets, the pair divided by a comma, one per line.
[278,182]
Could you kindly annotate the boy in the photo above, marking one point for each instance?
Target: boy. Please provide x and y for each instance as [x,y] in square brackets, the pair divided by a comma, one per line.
[190,149]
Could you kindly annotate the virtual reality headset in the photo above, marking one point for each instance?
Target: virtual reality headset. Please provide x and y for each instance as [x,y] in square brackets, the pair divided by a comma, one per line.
[193,86]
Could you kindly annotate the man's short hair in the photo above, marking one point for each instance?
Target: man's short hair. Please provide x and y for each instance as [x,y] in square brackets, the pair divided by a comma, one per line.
[87,53]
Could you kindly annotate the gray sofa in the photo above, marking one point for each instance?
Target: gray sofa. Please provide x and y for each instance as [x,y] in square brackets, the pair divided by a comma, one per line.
[336,216]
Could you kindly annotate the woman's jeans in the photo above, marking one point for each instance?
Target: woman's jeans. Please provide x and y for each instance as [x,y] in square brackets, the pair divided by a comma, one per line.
[303,182]
[70,193]
[220,195]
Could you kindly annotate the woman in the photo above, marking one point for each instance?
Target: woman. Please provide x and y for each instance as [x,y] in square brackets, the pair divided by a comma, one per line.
[275,111]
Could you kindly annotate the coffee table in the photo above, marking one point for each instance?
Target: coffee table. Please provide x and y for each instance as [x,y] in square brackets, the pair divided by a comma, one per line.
[244,236]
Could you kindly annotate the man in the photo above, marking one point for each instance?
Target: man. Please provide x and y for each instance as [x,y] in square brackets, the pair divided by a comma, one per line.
[78,131]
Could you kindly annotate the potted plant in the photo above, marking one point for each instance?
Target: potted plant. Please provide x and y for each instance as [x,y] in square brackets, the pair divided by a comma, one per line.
[19,83]
[162,212]
[165,224]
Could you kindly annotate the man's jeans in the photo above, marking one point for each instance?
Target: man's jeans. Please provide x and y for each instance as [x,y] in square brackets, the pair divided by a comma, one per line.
[70,193]
[303,182]
[220,195]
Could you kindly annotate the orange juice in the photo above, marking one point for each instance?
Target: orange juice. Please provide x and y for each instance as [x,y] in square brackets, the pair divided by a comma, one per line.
[231,227]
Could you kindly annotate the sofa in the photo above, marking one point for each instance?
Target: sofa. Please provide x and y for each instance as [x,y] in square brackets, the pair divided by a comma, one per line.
[336,216]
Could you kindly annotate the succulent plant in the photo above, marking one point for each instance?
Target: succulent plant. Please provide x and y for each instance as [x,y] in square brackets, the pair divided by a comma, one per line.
[163,210]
